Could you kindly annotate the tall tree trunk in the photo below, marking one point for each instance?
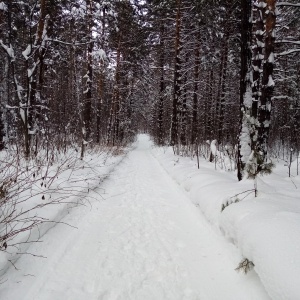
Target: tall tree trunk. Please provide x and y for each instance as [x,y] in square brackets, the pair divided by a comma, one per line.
[195,94]
[161,87]
[42,29]
[177,80]
[4,96]
[222,96]
[113,125]
[264,112]
[101,84]
[183,111]
[2,132]
[257,70]
[244,148]
[89,75]
[210,111]
[87,104]
[99,104]
[35,79]
[22,100]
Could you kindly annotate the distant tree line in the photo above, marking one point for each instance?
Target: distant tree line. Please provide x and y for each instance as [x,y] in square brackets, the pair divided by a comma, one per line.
[217,85]
[87,72]
[69,73]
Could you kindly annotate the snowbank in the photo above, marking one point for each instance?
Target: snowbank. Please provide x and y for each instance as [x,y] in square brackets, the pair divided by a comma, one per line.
[266,229]
[44,193]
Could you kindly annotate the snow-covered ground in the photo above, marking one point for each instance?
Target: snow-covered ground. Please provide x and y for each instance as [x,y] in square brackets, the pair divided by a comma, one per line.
[265,230]
[41,193]
[143,238]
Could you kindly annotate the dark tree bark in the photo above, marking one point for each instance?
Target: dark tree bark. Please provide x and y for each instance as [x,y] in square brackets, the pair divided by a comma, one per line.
[161,87]
[264,112]
[183,110]
[89,75]
[101,83]
[113,125]
[223,76]
[195,94]
[177,80]
[210,112]
[87,103]
[257,70]
[2,133]
[245,86]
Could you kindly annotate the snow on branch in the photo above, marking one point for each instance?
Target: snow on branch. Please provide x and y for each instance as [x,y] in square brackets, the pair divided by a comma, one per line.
[69,44]
[9,50]
[27,52]
[288,4]
[3,6]
[32,70]
[288,52]
[289,42]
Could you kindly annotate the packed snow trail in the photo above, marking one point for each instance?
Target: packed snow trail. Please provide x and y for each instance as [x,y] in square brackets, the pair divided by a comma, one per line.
[143,240]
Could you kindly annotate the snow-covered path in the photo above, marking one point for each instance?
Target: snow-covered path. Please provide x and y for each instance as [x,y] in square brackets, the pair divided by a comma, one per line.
[143,240]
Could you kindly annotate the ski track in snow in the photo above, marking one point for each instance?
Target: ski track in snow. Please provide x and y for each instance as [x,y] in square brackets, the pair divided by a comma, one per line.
[146,240]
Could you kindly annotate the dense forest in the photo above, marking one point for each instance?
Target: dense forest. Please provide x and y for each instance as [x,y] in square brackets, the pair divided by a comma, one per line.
[145,126]
[192,73]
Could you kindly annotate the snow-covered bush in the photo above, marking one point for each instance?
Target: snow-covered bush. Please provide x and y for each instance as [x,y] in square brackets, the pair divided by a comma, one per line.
[25,189]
